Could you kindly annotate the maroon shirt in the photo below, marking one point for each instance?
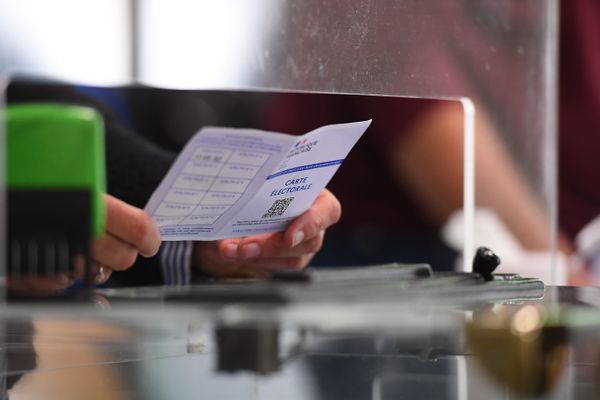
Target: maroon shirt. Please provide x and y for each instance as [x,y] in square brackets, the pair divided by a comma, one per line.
[364,184]
[579,118]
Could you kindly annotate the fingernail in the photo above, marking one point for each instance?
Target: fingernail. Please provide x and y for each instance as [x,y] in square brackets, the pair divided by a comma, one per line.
[251,250]
[231,250]
[298,238]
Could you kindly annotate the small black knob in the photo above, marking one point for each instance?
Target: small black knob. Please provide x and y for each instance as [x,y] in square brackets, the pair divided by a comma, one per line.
[485,262]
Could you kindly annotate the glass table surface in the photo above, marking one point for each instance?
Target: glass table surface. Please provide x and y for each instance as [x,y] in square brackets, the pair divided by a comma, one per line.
[114,345]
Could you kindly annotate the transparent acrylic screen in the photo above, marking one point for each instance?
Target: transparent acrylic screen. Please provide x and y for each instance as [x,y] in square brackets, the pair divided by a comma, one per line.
[500,55]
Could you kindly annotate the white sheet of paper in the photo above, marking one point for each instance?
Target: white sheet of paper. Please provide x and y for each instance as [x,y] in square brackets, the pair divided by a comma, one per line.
[230,182]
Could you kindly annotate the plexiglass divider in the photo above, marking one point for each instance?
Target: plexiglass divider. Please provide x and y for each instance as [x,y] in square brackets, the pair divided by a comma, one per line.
[501,56]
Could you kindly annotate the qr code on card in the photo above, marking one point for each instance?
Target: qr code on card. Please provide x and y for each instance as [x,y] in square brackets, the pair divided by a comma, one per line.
[278,208]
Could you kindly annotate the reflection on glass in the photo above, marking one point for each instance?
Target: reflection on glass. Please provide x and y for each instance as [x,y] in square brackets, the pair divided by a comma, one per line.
[68,359]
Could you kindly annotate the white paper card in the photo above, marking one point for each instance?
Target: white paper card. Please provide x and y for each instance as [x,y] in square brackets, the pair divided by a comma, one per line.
[237,182]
